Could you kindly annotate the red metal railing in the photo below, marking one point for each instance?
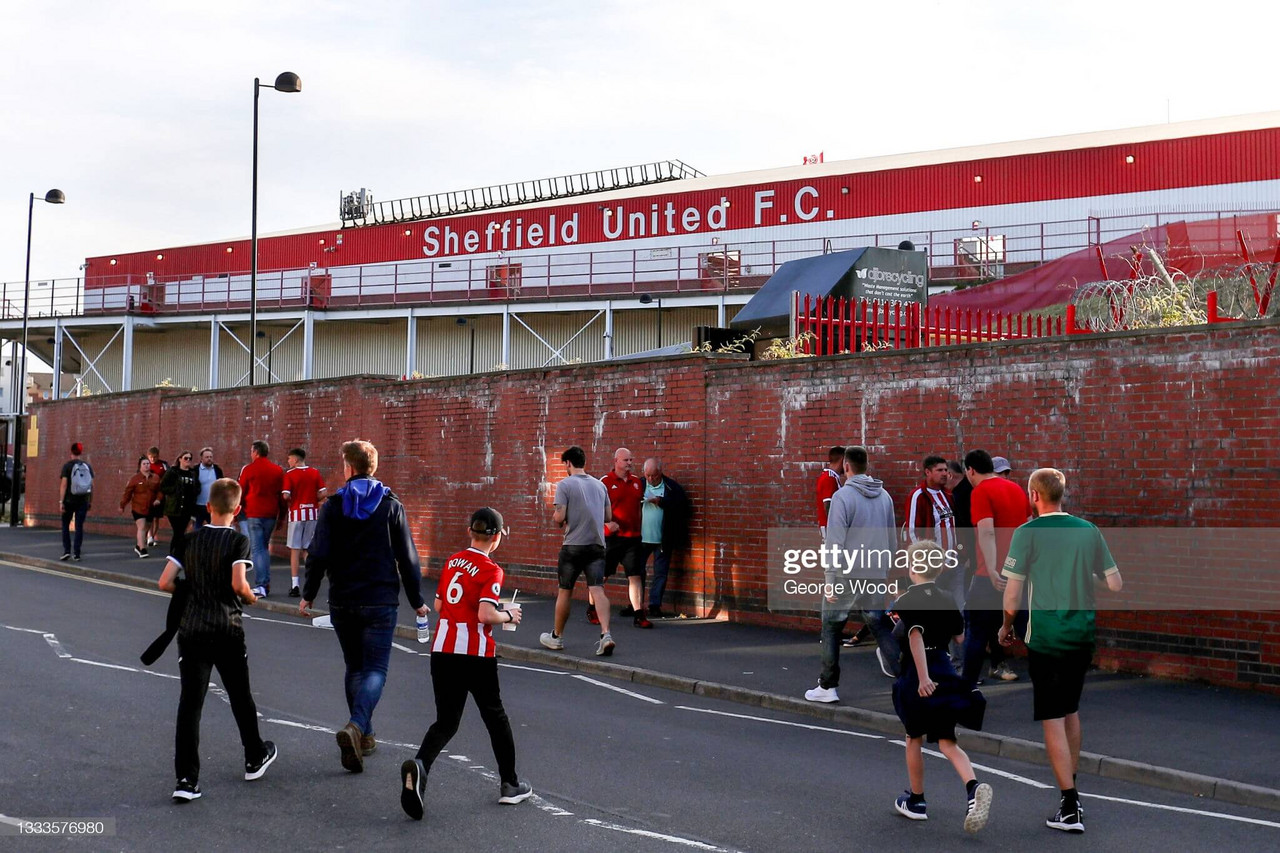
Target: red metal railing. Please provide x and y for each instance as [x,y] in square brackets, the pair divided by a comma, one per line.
[828,325]
[719,267]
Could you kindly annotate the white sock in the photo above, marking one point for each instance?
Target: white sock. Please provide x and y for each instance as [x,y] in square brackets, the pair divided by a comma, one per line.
[295,583]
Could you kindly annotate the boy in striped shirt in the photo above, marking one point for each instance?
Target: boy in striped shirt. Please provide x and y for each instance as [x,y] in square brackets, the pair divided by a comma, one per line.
[462,661]
[302,491]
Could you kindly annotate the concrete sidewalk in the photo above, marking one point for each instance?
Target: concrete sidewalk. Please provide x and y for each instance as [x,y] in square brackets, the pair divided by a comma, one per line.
[1214,742]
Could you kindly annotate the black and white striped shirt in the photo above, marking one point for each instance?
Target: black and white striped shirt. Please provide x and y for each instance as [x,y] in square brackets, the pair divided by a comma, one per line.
[206,558]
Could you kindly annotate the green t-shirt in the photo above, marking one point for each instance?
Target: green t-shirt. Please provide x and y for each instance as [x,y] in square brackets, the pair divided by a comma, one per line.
[1059,556]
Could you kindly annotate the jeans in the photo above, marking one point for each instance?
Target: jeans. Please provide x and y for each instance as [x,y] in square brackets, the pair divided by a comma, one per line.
[834,617]
[196,660]
[983,616]
[452,678]
[365,633]
[661,565]
[78,510]
[260,548]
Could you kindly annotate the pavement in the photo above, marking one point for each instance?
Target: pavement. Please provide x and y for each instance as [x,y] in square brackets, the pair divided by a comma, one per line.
[1215,743]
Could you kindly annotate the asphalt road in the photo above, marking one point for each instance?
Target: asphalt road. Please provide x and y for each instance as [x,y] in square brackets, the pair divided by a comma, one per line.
[88,733]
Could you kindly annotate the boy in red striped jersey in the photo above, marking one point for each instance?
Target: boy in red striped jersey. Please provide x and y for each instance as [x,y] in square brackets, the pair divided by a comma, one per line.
[468,604]
[303,488]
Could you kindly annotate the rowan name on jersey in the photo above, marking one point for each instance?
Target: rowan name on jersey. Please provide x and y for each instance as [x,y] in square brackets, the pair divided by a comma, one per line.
[469,578]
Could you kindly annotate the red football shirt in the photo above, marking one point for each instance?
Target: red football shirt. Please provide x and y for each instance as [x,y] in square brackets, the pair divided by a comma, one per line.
[828,485]
[261,482]
[1006,504]
[627,499]
[301,492]
[469,577]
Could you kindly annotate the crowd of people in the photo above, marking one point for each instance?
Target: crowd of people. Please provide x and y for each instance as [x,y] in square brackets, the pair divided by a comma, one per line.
[1020,557]
[1004,540]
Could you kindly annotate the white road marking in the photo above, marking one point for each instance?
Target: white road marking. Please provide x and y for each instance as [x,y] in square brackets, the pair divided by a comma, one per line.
[534,669]
[1201,812]
[104,665]
[26,630]
[11,821]
[674,839]
[294,725]
[781,722]
[621,690]
[404,648]
[56,646]
[278,621]
[1006,774]
[76,577]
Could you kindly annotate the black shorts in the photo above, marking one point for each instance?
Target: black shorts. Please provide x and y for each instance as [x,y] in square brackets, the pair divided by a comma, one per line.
[576,559]
[139,516]
[1057,681]
[624,550]
[157,513]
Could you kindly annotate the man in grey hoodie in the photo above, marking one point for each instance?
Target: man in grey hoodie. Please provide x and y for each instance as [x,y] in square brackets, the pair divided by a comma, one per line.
[362,543]
[860,523]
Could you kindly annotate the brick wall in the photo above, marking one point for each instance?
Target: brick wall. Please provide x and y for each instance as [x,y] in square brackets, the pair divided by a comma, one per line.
[1173,429]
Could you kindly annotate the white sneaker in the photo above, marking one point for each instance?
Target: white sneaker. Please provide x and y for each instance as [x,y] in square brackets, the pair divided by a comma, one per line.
[1004,672]
[884,665]
[551,641]
[822,694]
[605,647]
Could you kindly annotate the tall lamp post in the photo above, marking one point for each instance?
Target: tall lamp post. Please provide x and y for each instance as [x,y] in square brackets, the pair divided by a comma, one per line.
[52,197]
[286,82]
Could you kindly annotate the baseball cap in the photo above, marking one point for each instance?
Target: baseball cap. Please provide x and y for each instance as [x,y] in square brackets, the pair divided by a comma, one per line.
[1000,464]
[487,521]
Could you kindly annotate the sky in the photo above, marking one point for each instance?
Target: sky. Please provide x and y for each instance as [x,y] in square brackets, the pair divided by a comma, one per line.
[141,112]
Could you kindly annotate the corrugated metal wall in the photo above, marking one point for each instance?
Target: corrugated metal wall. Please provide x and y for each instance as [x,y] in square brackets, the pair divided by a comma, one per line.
[180,354]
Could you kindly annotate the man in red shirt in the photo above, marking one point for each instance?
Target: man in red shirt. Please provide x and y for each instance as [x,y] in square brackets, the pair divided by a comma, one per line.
[468,604]
[303,487]
[828,484]
[261,481]
[997,507]
[622,536]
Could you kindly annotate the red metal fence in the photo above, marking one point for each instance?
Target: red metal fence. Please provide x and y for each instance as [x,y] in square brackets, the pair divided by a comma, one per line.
[830,325]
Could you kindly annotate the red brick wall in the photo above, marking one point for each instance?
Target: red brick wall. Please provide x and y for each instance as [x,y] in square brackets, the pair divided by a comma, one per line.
[1172,428]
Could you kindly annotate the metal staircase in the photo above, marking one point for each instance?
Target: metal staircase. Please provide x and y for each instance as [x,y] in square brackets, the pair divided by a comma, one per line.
[358,209]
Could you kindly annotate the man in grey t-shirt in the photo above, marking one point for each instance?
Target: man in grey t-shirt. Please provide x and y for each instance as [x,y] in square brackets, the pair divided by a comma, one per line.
[581,509]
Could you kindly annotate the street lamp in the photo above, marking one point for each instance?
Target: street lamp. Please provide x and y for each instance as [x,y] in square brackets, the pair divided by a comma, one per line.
[286,82]
[52,197]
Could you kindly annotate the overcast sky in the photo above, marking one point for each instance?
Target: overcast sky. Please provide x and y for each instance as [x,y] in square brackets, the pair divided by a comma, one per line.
[141,112]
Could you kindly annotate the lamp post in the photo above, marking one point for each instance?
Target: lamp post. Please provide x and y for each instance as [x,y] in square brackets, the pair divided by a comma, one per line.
[646,299]
[286,82]
[52,197]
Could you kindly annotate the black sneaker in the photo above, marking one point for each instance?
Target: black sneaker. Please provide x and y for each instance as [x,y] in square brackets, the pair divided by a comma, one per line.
[295,592]
[255,769]
[139,551]
[76,558]
[1067,819]
[517,793]
[65,557]
[627,611]
[979,808]
[413,788]
[910,810]
[656,612]
[186,791]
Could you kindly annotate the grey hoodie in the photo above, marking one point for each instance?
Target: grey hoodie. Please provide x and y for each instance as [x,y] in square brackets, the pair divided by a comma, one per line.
[861,518]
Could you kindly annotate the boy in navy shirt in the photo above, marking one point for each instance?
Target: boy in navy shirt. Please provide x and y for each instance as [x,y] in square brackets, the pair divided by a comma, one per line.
[929,697]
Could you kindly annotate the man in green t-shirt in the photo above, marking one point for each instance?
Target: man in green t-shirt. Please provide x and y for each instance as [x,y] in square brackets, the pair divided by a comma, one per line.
[1060,559]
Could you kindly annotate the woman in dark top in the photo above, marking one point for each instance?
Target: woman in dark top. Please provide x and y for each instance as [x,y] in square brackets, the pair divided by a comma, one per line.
[180,487]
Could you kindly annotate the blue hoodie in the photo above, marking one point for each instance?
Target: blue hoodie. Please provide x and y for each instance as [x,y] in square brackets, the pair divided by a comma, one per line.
[361,496]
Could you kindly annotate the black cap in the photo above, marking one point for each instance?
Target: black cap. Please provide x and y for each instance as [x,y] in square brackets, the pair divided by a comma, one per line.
[487,521]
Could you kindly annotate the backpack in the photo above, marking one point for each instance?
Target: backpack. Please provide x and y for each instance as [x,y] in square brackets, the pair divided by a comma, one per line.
[81,479]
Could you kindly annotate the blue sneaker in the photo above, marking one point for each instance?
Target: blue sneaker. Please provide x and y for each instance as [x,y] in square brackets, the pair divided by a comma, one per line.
[910,810]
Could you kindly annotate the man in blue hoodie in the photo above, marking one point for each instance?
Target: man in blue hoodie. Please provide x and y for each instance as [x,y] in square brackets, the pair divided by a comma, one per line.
[860,522]
[362,543]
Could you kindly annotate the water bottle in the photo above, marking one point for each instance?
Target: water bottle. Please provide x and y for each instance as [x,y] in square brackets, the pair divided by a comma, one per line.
[424,629]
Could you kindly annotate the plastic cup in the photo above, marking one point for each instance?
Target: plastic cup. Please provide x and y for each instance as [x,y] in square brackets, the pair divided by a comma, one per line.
[511,626]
